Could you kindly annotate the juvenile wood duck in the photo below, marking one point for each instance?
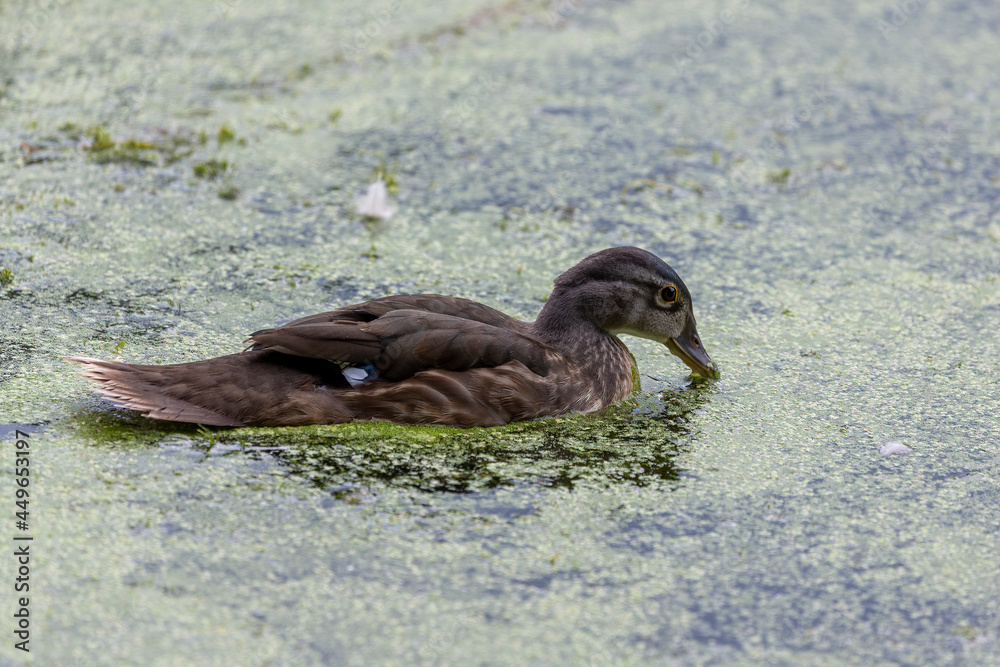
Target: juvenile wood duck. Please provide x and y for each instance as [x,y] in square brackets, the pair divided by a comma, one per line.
[431,359]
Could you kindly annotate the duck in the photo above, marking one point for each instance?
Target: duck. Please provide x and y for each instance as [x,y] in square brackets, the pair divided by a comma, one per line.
[432,359]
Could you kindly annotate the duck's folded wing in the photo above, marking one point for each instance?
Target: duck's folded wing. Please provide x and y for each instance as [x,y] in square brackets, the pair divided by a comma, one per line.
[430,303]
[402,343]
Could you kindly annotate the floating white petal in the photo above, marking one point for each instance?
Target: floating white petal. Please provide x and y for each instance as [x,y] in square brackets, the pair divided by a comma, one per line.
[375,202]
[894,449]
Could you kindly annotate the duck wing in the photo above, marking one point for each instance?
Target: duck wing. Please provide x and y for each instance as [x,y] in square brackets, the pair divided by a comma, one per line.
[465,309]
[399,343]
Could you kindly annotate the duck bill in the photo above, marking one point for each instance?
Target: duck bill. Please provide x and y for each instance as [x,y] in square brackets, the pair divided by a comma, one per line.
[693,355]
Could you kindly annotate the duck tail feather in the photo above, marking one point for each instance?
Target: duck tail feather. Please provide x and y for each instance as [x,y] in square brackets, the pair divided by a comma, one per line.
[124,385]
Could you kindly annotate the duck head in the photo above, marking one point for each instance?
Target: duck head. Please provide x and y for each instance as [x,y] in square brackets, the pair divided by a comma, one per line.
[628,290]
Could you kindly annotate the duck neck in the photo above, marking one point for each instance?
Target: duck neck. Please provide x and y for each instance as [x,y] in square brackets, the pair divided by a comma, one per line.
[564,324]
[567,324]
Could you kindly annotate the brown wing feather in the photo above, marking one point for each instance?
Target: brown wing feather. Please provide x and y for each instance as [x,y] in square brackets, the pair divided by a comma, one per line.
[335,341]
[430,303]
[401,343]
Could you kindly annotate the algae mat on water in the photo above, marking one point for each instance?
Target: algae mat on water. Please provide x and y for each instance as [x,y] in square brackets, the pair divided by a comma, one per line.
[825,178]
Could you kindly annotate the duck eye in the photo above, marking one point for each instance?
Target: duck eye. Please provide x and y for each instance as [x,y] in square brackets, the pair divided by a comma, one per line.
[668,294]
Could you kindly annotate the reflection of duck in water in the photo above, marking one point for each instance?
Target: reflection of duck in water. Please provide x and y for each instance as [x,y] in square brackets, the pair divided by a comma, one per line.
[430,359]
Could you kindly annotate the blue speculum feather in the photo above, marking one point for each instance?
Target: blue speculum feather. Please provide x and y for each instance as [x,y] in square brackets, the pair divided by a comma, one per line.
[356,375]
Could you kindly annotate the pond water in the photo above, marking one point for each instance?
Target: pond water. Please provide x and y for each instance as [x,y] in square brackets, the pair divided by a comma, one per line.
[825,178]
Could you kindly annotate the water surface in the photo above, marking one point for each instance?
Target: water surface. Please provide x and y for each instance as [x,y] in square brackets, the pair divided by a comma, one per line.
[825,179]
